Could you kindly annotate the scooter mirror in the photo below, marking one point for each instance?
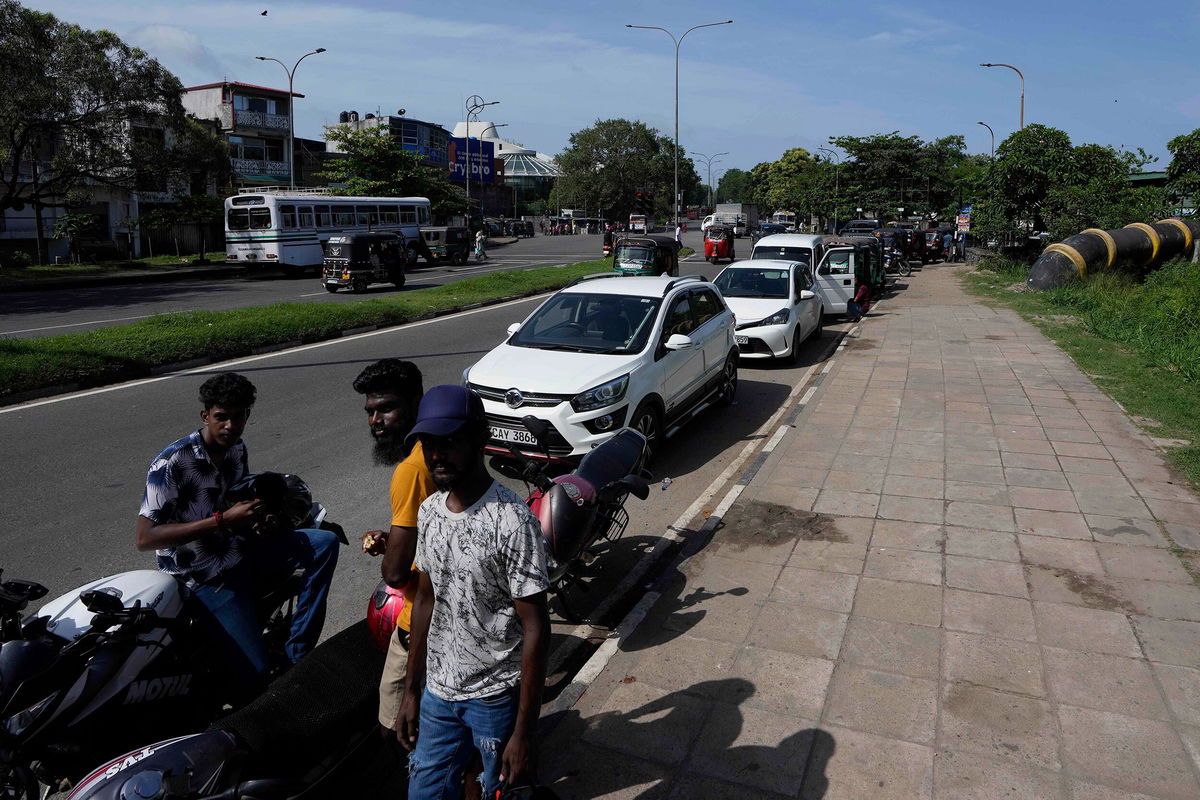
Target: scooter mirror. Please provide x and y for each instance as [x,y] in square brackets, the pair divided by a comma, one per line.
[636,485]
[540,428]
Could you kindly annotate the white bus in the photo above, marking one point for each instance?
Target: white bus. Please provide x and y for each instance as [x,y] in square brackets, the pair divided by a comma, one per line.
[289,227]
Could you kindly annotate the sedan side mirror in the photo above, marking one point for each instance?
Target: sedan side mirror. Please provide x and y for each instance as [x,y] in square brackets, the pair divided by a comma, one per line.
[516,326]
[805,294]
[679,342]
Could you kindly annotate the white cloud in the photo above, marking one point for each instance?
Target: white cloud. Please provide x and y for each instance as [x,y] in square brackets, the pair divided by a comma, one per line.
[184,46]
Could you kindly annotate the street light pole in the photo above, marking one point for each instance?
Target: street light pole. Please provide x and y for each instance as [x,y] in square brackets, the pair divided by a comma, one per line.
[993,133]
[291,73]
[708,161]
[1022,77]
[473,105]
[679,41]
[837,185]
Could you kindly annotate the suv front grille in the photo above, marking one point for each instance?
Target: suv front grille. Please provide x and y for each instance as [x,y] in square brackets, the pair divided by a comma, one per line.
[531,399]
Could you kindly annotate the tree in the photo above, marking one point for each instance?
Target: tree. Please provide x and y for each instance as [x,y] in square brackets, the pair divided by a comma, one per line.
[1183,173]
[201,210]
[732,187]
[1029,163]
[376,164]
[605,165]
[71,100]
[70,226]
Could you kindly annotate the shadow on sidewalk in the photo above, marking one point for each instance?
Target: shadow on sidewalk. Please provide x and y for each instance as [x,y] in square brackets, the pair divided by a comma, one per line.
[685,743]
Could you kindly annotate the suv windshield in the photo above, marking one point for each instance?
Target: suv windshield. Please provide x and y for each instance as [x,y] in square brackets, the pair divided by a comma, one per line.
[753,282]
[801,254]
[590,323]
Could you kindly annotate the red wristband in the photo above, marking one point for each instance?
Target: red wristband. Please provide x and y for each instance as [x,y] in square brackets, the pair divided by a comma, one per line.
[220,522]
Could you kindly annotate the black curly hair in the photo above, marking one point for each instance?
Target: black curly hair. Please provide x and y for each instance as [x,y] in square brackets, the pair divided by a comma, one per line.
[229,390]
[391,376]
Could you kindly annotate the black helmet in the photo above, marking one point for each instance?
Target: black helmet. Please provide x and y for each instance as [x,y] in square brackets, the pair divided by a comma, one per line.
[285,497]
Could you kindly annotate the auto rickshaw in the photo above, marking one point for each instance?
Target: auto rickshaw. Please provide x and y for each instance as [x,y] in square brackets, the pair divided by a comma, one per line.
[608,244]
[718,243]
[357,260]
[646,255]
[447,245]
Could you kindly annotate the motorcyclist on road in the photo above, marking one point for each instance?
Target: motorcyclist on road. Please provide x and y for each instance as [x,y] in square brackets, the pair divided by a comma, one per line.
[227,557]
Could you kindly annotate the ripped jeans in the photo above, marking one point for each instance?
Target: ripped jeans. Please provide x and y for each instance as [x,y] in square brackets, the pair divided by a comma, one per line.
[449,734]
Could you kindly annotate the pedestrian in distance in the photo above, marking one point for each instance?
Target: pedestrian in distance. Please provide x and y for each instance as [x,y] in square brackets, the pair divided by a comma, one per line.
[480,242]
[480,625]
[948,246]
[391,391]
[227,556]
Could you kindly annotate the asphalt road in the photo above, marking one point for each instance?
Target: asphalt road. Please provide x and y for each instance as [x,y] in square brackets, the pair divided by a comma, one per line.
[74,466]
[48,313]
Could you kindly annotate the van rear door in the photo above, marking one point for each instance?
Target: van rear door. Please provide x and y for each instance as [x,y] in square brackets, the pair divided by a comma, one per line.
[835,279]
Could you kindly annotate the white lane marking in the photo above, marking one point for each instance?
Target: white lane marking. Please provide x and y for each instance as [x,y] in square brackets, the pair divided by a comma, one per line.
[249,359]
[774,440]
[90,322]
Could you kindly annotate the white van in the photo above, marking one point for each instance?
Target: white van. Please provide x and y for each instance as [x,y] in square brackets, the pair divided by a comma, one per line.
[834,270]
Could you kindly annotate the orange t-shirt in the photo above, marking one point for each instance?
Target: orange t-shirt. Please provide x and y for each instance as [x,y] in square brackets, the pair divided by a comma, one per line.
[411,484]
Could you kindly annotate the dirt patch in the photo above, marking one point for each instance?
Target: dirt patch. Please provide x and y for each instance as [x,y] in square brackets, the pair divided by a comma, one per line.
[860,344]
[1022,286]
[757,523]
[995,338]
[1094,592]
[1057,319]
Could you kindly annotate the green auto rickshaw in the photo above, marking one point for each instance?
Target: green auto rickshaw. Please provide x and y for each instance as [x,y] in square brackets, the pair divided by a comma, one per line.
[447,245]
[646,255]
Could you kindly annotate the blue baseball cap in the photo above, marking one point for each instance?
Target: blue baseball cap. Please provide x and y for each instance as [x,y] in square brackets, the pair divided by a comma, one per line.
[444,410]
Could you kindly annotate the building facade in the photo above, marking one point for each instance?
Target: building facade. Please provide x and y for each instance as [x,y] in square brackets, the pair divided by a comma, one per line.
[526,175]
[428,139]
[255,121]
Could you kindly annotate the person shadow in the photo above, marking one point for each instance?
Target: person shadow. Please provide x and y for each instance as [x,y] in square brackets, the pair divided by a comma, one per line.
[681,744]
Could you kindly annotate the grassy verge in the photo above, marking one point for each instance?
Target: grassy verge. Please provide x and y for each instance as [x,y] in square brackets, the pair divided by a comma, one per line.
[1138,341]
[41,271]
[107,355]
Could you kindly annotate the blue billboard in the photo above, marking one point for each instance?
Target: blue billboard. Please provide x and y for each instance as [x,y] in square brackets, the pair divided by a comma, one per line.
[483,157]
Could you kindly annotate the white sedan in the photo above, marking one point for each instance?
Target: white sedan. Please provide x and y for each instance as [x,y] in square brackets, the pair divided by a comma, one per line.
[774,306]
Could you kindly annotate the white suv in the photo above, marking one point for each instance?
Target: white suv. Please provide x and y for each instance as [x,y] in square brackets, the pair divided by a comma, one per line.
[607,352]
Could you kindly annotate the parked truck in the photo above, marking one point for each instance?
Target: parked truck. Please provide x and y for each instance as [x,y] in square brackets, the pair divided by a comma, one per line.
[742,217]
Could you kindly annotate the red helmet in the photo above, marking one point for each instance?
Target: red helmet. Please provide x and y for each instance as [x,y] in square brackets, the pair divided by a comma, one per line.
[382,612]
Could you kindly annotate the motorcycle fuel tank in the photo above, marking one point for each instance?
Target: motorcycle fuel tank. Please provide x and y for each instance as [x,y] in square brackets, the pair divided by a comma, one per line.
[69,617]
[187,766]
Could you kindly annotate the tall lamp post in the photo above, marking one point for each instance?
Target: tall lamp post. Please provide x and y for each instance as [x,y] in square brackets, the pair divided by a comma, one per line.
[679,41]
[993,133]
[1022,77]
[473,105]
[837,175]
[708,162]
[291,73]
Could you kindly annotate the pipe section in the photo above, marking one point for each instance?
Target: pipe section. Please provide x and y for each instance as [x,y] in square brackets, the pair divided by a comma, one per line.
[1136,247]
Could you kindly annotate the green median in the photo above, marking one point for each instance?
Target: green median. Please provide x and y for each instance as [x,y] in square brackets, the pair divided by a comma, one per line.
[108,355]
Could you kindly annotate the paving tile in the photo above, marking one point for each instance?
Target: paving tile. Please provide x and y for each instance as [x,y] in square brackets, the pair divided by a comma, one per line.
[965,514]
[1083,790]
[832,591]
[1186,536]
[1012,459]
[892,646]
[1112,505]
[907,536]
[1007,727]
[916,469]
[1165,490]
[1080,450]
[581,770]
[848,504]
[1058,585]
[1002,664]
[1088,630]
[964,776]
[919,452]
[973,456]
[1147,472]
[1124,751]
[974,473]
[1181,686]
[988,614]
[1043,499]
[1125,530]
[984,575]
[689,786]
[798,498]
[1099,484]
[783,683]
[801,477]
[1158,599]
[1035,478]
[904,565]
[1084,435]
[798,629]
[1017,444]
[757,749]
[851,765]
[1070,554]
[913,487]
[1065,525]
[834,556]
[1169,641]
[979,543]
[675,662]
[885,703]
[1173,510]
[1142,562]
[1089,466]
[913,509]
[854,481]
[666,740]
[1104,682]
[898,601]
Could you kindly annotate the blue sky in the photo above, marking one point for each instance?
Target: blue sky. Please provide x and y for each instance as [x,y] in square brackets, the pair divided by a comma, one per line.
[785,74]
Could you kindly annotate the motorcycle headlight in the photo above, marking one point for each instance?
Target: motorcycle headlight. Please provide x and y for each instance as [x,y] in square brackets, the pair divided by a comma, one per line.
[780,317]
[600,396]
[18,723]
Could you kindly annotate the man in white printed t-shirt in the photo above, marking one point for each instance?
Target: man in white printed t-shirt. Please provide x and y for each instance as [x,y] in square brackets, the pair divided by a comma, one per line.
[480,624]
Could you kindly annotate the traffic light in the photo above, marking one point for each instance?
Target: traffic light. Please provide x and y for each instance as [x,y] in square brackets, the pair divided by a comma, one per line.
[639,203]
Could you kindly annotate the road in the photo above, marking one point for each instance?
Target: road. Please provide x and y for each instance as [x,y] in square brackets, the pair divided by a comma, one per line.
[48,313]
[75,465]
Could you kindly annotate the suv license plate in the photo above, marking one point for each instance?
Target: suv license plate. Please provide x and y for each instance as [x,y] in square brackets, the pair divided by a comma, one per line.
[513,435]
[741,339]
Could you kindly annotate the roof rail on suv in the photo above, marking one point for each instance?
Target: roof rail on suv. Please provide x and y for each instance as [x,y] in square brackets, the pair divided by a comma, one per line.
[594,277]
[672,284]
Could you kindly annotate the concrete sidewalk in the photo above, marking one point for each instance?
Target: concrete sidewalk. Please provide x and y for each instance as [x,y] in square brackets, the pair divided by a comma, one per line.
[952,579]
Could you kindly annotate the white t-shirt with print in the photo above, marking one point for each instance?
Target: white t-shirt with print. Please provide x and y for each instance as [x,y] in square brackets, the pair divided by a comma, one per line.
[478,561]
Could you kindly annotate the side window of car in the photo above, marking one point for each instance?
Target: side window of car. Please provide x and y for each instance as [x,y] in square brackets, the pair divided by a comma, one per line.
[679,318]
[706,305]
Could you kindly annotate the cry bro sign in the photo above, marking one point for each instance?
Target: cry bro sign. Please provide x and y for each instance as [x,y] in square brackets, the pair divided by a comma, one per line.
[483,155]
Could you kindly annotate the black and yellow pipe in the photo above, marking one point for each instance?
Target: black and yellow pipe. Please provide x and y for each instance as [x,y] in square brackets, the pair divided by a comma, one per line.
[1136,247]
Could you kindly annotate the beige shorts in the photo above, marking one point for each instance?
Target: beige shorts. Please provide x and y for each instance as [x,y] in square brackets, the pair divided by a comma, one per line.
[391,685]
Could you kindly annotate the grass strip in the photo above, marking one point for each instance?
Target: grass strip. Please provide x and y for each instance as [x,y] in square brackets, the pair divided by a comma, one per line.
[109,355]
[12,276]
[1139,341]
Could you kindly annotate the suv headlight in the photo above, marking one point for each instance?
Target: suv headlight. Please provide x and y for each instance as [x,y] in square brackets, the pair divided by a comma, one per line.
[600,396]
[465,381]
[780,317]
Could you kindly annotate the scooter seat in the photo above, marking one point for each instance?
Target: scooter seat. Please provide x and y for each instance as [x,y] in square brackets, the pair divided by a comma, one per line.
[614,459]
[331,695]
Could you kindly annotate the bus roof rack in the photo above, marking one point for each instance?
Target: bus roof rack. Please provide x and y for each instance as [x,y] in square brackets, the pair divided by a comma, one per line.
[305,190]
[672,284]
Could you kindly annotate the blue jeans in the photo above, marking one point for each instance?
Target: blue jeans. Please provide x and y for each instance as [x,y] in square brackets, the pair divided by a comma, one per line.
[232,599]
[449,734]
